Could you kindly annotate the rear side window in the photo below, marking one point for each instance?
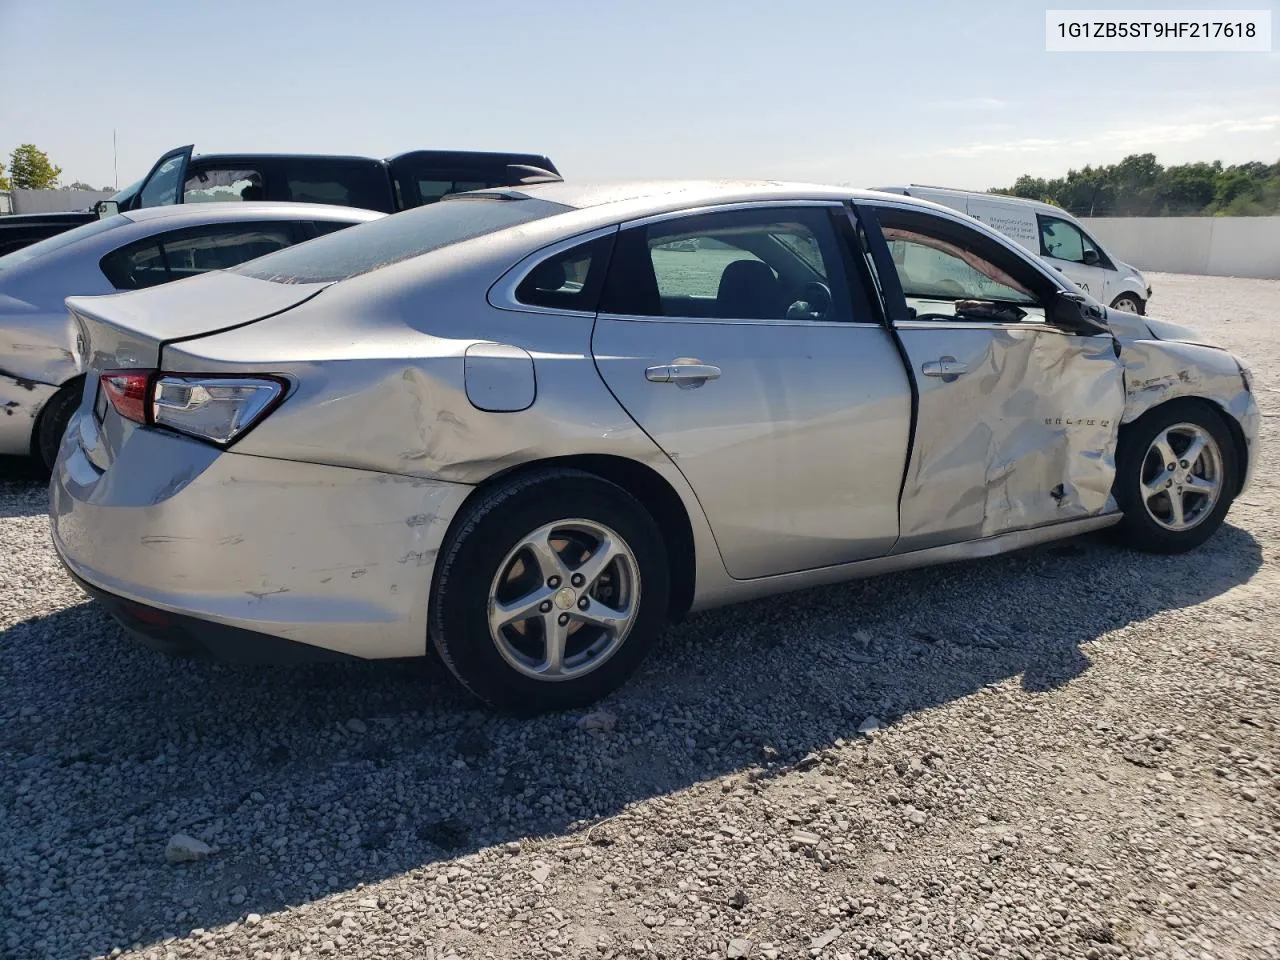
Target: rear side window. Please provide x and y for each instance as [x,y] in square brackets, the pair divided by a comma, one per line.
[379,243]
[185,253]
[569,280]
[784,263]
[342,183]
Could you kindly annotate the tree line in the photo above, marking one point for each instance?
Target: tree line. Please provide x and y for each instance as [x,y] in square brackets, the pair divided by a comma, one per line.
[31,169]
[1138,186]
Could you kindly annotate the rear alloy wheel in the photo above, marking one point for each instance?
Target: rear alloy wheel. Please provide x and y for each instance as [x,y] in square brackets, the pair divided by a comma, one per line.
[550,592]
[1127,303]
[1175,477]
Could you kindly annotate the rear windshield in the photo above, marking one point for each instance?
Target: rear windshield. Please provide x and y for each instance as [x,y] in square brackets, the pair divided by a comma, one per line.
[60,240]
[369,246]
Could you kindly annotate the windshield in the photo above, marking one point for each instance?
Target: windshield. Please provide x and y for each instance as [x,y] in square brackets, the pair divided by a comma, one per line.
[378,243]
[60,240]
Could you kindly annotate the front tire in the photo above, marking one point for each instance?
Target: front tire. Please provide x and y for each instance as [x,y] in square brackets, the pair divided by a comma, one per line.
[1129,303]
[1176,475]
[549,592]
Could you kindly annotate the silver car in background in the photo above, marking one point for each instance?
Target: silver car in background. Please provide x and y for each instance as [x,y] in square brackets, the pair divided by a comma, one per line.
[40,383]
[532,425]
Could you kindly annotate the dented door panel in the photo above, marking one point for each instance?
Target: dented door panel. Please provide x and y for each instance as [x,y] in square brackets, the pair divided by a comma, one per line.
[1025,435]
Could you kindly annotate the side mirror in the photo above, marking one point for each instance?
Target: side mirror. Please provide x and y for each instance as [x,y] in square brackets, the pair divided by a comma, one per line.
[1091,258]
[106,208]
[1076,313]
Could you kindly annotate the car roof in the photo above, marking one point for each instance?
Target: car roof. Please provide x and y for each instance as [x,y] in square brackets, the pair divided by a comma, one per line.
[229,211]
[1030,204]
[614,201]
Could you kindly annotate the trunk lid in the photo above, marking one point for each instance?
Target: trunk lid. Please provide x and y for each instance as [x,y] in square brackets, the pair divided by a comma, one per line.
[128,331]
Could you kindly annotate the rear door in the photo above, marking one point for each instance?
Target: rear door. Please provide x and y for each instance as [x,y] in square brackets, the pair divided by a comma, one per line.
[1017,419]
[743,342]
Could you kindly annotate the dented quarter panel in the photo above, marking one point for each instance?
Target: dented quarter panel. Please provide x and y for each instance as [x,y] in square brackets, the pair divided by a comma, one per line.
[20,403]
[340,557]
[1025,437]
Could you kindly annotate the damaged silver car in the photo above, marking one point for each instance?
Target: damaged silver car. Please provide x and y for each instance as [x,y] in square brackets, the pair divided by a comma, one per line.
[531,426]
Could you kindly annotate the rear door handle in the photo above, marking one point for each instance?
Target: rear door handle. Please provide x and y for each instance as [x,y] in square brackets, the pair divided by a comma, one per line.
[948,368]
[684,373]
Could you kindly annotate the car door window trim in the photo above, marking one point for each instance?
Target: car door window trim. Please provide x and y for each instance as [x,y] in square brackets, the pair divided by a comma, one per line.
[853,285]
[502,294]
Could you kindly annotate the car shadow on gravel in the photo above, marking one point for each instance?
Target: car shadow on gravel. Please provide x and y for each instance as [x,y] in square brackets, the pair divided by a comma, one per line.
[312,781]
[24,488]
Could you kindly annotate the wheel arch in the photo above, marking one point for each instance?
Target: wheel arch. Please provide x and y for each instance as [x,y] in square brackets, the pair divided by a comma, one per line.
[73,385]
[644,483]
[1233,425]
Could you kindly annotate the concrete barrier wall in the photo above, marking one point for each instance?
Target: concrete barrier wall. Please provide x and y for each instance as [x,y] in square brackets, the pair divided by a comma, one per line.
[1214,246]
[56,201]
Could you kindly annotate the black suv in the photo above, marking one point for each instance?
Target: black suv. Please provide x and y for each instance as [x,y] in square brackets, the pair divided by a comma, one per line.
[397,183]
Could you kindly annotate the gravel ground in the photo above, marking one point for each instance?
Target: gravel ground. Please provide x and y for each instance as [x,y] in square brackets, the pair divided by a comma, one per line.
[1079,758]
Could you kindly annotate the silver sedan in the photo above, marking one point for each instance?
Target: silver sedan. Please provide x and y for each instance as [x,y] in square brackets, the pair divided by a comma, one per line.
[40,383]
[533,425]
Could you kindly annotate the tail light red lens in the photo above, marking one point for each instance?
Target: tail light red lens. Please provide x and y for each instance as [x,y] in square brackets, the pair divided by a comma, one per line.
[127,390]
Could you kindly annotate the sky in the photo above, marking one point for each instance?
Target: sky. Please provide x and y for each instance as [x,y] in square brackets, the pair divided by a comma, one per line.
[958,93]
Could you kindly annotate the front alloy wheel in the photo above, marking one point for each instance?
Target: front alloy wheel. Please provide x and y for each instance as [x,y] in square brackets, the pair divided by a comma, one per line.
[1176,475]
[1181,476]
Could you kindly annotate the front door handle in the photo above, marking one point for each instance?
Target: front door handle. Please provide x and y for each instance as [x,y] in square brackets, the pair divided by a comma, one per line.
[683,372]
[948,368]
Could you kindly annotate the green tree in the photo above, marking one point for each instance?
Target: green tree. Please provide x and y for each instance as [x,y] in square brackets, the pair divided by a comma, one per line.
[80,185]
[1138,186]
[4,181]
[30,169]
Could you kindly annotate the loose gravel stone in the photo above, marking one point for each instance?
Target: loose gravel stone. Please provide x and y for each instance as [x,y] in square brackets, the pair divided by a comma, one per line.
[1008,805]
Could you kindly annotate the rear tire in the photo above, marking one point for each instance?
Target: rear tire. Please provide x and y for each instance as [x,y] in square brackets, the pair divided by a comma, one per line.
[586,567]
[52,423]
[1204,483]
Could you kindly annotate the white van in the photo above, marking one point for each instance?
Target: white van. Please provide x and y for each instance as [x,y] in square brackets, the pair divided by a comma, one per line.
[1052,233]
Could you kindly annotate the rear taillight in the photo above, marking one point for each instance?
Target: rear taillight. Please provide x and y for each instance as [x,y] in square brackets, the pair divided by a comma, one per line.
[212,408]
[127,391]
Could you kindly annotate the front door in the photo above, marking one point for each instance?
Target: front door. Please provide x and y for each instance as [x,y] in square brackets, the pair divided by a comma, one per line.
[1069,251]
[163,185]
[743,343]
[1017,420]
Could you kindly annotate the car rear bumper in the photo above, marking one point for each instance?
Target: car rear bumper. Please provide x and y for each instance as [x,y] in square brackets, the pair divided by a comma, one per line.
[307,554]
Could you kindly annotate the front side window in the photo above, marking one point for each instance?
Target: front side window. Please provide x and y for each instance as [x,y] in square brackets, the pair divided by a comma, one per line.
[185,253]
[931,267]
[781,263]
[949,270]
[211,186]
[1065,241]
[162,189]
